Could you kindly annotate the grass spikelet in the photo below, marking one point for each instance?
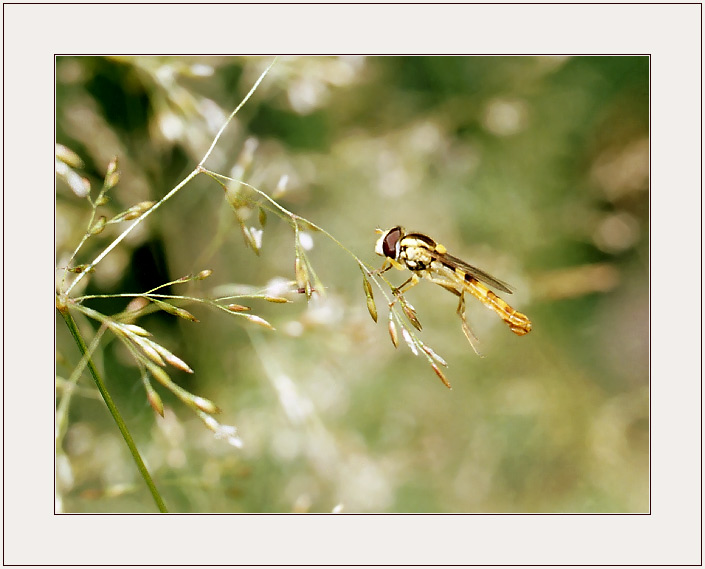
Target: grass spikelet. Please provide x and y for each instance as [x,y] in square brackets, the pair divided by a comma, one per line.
[440,374]
[393,331]
[276,299]
[371,306]
[175,310]
[410,341]
[98,226]
[434,355]
[259,320]
[410,313]
[153,397]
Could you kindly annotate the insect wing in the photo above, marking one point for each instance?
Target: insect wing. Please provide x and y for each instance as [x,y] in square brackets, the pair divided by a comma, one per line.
[438,252]
[455,263]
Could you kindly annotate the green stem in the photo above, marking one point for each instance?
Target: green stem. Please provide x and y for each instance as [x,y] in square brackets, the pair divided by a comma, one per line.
[71,324]
[124,234]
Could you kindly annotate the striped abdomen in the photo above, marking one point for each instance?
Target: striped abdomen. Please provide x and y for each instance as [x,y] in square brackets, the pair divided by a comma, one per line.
[518,322]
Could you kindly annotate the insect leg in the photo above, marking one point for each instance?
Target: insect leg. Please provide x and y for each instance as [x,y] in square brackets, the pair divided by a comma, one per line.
[412,281]
[466,327]
[384,268]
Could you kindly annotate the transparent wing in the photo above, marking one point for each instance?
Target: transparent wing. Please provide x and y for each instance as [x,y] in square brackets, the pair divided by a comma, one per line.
[454,263]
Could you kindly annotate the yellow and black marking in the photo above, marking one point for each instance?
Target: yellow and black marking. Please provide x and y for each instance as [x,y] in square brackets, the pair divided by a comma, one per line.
[426,258]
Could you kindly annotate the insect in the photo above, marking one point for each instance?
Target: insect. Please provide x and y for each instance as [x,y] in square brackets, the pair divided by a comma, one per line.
[426,258]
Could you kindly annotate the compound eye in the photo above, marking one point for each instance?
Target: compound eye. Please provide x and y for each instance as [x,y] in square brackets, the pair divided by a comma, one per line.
[391,240]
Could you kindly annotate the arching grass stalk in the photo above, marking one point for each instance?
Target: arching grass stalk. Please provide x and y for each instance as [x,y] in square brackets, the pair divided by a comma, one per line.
[62,408]
[149,348]
[397,303]
[71,324]
[171,193]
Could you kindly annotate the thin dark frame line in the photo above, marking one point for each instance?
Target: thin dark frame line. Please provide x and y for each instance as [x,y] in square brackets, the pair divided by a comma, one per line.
[451,513]
[701,289]
[357,3]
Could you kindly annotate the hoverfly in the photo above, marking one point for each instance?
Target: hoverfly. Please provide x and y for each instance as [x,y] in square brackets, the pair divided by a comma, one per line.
[427,259]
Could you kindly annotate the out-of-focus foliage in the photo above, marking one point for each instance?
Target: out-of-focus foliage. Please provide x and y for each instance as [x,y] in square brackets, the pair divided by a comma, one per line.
[532,168]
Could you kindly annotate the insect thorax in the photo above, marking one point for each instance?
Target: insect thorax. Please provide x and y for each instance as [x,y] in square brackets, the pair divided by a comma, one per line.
[415,257]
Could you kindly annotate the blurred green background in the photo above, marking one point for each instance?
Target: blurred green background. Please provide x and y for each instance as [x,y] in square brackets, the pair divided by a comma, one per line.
[532,168]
